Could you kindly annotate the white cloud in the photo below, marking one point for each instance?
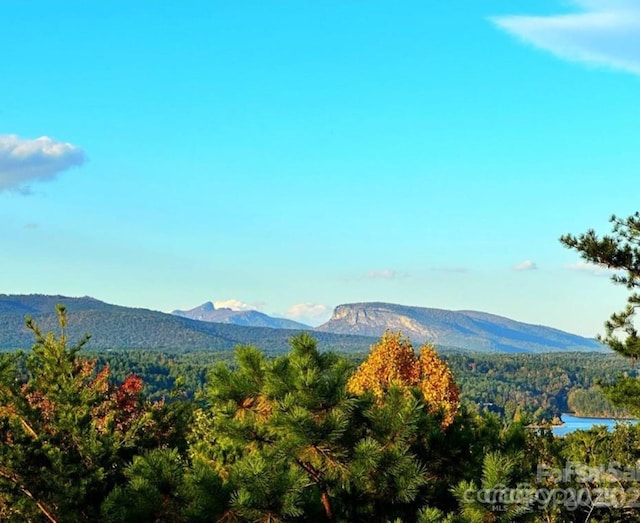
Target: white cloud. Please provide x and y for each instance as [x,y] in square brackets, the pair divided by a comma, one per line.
[23,161]
[238,305]
[590,268]
[310,313]
[385,274]
[605,33]
[526,265]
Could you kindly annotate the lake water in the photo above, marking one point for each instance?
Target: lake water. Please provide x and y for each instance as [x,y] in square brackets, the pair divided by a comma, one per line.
[572,423]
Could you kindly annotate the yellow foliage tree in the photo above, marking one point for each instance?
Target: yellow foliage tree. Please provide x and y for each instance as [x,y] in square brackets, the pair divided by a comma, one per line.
[438,385]
[392,361]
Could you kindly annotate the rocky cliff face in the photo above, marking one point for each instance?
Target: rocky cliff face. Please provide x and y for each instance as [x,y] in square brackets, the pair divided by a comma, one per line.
[373,319]
[465,329]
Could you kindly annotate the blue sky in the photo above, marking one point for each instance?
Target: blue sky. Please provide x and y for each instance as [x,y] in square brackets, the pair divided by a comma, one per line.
[294,155]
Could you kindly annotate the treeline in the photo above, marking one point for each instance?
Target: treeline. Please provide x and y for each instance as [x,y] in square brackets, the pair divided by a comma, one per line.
[532,387]
[539,386]
[591,403]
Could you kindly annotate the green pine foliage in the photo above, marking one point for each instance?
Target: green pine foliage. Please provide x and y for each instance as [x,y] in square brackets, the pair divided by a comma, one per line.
[67,433]
[620,252]
[291,422]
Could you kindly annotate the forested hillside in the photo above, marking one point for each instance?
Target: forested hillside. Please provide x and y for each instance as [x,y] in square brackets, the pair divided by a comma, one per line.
[531,386]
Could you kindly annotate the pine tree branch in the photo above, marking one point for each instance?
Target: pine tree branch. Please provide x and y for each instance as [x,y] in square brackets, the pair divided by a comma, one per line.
[15,479]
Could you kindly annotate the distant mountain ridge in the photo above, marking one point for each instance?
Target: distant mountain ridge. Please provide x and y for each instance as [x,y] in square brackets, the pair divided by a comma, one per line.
[472,330]
[117,327]
[353,327]
[208,312]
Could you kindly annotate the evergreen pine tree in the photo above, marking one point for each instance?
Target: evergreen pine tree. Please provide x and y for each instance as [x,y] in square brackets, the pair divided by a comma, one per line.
[66,432]
[280,424]
[620,252]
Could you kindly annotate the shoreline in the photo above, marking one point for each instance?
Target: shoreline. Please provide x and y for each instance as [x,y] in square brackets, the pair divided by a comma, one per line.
[574,415]
[586,423]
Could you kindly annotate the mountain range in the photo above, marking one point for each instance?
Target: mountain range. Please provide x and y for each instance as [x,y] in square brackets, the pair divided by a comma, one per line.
[208,312]
[353,327]
[471,330]
[117,327]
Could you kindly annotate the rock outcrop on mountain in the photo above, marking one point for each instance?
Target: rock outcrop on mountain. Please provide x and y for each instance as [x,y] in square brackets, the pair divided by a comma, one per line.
[470,330]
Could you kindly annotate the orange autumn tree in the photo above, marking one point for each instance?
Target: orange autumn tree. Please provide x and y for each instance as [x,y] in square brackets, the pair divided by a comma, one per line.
[392,361]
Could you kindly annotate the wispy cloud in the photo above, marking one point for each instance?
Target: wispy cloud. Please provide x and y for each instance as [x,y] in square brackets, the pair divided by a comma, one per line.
[526,265]
[386,274]
[590,268]
[604,33]
[23,161]
[238,305]
[310,313]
